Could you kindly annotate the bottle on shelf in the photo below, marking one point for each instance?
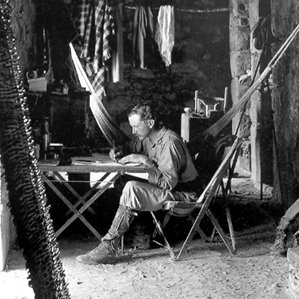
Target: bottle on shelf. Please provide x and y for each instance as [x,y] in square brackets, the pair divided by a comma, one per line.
[37,139]
[45,138]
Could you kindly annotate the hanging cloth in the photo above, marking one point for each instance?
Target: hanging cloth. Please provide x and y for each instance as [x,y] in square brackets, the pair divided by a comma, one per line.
[99,66]
[85,25]
[111,132]
[226,118]
[117,59]
[99,35]
[96,27]
[100,31]
[165,32]
[143,32]
[108,30]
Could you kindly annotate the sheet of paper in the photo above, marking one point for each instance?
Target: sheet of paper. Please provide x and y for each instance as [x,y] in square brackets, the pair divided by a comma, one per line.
[53,162]
[131,164]
[97,158]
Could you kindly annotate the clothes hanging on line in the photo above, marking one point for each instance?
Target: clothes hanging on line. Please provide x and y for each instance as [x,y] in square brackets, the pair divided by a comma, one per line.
[84,20]
[143,35]
[117,56]
[165,32]
[100,31]
[110,130]
[97,29]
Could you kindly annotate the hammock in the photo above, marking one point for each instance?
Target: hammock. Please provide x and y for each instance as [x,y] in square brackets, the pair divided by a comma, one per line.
[112,133]
[110,130]
[214,129]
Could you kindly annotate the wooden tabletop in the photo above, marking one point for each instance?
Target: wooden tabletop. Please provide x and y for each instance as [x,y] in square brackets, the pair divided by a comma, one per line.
[95,163]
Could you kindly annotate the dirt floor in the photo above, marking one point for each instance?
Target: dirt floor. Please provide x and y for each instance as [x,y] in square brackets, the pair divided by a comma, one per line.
[207,270]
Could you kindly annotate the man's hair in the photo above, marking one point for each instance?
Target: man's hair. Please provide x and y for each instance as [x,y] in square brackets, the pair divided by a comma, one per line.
[146,112]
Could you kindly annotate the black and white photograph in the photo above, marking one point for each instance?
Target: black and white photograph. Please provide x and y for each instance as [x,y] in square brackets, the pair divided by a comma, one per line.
[149,149]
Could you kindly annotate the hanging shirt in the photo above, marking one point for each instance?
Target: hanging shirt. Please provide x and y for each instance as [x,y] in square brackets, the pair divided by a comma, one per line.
[165,32]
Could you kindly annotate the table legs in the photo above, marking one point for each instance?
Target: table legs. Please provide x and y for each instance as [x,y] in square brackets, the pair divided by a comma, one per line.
[101,187]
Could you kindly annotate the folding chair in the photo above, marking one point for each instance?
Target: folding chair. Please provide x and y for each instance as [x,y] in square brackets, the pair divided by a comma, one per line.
[179,208]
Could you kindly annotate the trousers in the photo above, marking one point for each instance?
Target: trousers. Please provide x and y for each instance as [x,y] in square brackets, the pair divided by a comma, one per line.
[139,195]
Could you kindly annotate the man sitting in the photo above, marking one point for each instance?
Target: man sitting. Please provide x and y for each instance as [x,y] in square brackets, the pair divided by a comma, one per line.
[171,176]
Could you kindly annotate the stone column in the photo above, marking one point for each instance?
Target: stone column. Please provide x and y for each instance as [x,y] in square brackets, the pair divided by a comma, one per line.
[240,65]
[261,110]
[255,101]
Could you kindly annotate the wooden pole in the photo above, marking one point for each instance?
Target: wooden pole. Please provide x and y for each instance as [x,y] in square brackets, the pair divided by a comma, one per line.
[223,121]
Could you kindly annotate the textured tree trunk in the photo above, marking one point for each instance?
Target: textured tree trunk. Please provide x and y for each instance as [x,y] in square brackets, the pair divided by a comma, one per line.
[27,196]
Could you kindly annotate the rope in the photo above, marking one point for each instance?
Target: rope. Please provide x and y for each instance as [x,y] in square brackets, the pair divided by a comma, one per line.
[110,130]
[223,121]
[244,108]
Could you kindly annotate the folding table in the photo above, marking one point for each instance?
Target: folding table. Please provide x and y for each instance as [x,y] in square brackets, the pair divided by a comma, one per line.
[51,172]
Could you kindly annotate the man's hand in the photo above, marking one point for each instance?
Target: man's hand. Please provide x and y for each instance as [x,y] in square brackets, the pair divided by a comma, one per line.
[115,154]
[136,158]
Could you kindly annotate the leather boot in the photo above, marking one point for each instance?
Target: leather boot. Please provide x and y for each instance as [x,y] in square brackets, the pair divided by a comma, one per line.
[121,223]
[105,253]
[279,246]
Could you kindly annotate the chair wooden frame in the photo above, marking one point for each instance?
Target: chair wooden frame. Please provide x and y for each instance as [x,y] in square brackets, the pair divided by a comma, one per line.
[203,202]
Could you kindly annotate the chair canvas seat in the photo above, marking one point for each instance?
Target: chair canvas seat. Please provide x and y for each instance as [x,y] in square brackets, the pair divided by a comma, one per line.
[181,205]
[181,209]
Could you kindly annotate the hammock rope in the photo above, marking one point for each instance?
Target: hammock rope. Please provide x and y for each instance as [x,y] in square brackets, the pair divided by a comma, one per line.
[214,129]
[110,130]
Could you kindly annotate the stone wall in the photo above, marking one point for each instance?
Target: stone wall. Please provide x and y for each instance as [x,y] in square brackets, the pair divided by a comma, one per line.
[247,64]
[240,65]
[200,61]
[260,109]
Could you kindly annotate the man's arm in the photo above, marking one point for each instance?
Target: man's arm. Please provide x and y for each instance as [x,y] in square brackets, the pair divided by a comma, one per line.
[137,158]
[133,146]
[164,171]
[165,174]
